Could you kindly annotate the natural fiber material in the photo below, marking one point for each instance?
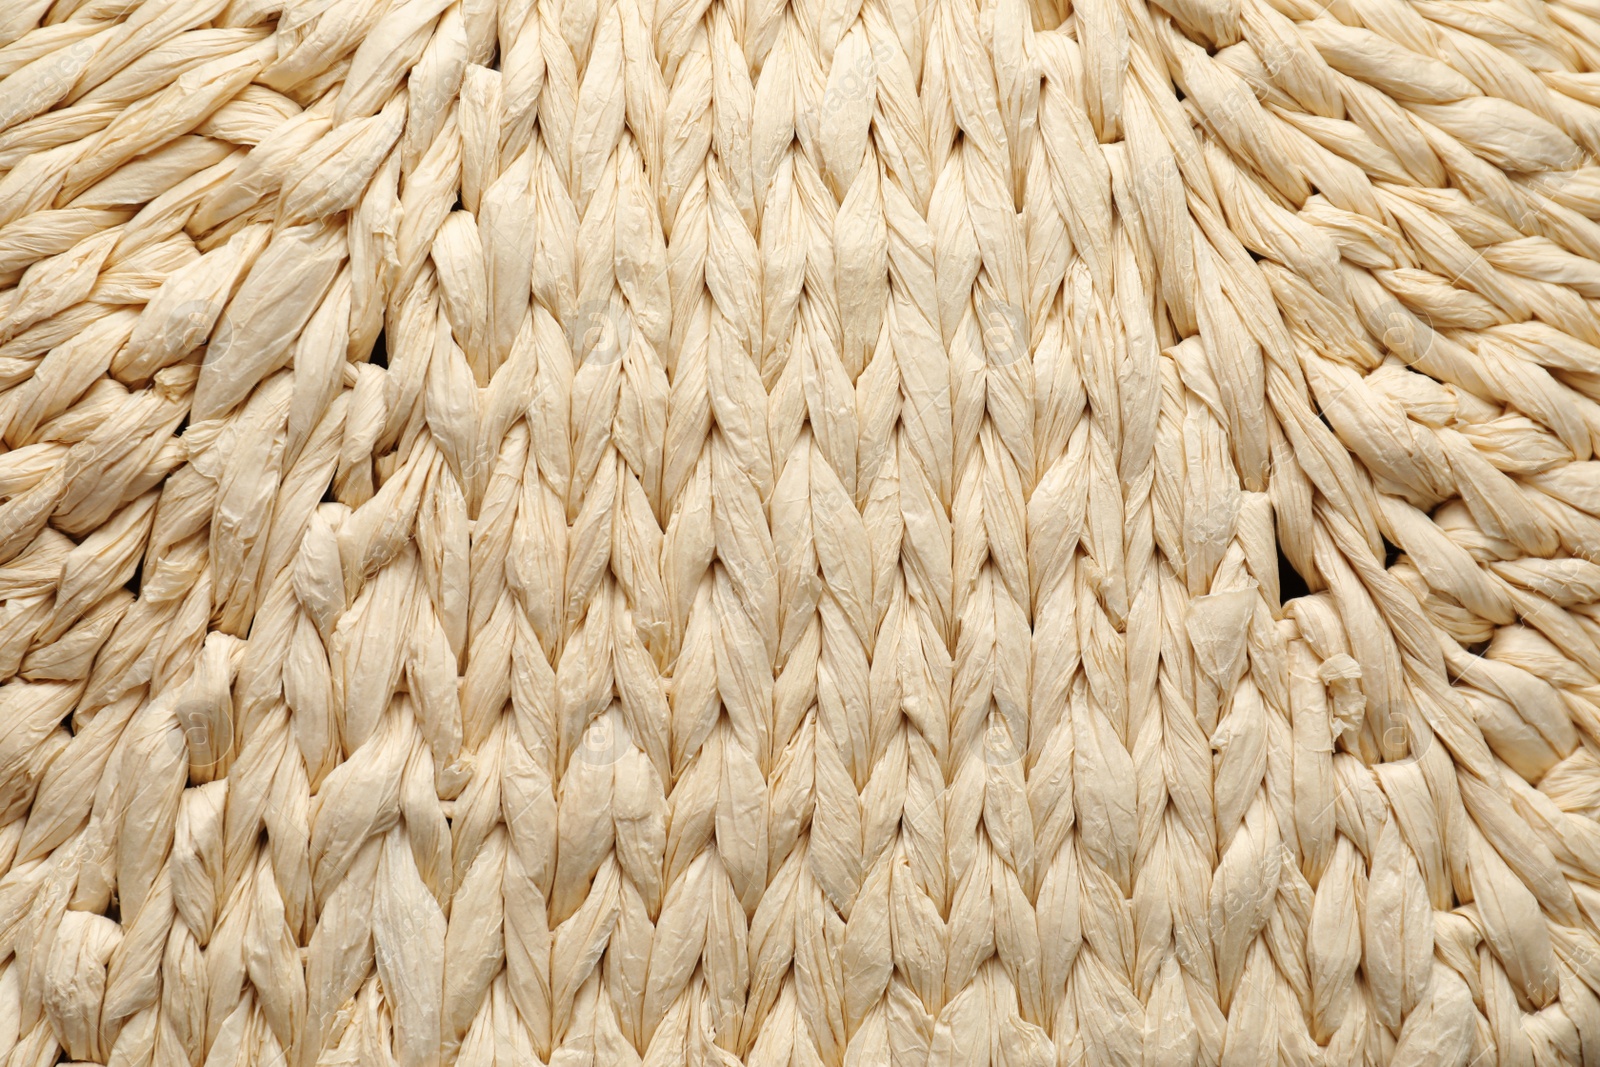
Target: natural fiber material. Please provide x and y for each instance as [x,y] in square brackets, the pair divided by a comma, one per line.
[589,532]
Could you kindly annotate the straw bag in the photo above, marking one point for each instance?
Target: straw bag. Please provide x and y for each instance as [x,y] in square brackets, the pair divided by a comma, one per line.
[844,532]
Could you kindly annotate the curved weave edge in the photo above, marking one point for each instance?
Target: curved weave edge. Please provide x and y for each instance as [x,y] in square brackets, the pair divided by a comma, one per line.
[600,532]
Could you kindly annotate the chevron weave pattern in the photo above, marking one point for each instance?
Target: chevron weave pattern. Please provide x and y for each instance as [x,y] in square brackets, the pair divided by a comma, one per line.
[799,532]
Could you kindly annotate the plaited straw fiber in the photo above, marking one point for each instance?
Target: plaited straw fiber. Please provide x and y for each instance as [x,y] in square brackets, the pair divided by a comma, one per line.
[601,532]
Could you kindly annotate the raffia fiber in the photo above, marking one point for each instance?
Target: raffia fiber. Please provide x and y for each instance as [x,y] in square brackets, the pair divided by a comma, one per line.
[842,533]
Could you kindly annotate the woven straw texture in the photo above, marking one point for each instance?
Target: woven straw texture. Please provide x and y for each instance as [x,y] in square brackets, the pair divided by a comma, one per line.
[826,533]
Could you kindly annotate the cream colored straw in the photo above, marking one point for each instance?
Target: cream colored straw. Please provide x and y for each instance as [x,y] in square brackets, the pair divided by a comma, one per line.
[799,533]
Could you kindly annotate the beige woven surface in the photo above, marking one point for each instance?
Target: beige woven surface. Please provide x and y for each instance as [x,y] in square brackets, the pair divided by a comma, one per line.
[833,532]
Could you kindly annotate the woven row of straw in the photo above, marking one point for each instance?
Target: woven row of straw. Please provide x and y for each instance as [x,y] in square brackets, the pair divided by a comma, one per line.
[799,532]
